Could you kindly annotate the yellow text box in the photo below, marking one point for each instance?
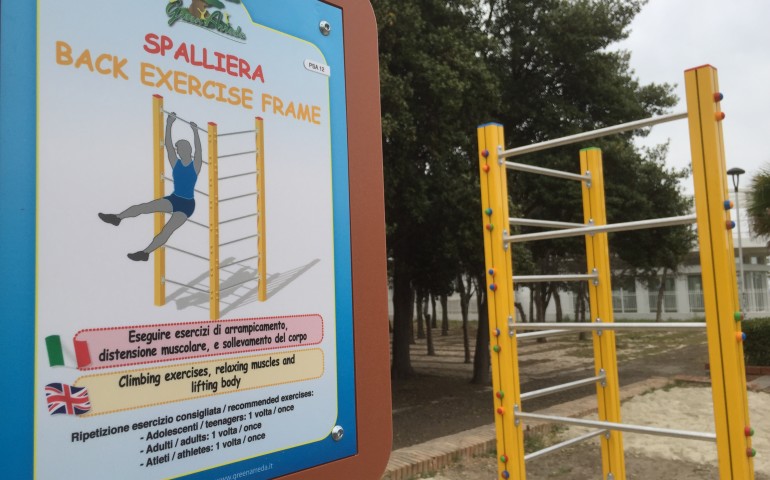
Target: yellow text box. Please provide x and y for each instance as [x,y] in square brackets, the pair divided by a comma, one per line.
[129,390]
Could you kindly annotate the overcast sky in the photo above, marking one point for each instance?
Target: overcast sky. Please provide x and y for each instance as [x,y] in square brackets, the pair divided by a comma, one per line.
[670,36]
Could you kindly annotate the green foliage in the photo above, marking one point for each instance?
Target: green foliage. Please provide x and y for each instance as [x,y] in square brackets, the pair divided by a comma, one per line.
[756,348]
[758,207]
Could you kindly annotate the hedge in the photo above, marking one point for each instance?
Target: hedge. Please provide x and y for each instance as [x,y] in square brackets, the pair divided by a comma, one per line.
[756,348]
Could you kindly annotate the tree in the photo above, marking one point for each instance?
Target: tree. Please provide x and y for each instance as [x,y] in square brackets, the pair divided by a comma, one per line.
[758,200]
[435,90]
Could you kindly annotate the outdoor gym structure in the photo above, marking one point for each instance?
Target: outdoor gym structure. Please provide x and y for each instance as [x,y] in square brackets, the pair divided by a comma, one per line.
[722,306]
[215,267]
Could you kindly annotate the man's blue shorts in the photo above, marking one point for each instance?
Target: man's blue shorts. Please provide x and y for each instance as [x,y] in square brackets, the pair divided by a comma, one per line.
[181,204]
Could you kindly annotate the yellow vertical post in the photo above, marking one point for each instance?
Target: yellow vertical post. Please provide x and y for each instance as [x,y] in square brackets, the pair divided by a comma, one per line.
[600,298]
[505,366]
[720,294]
[213,222]
[158,147]
[261,239]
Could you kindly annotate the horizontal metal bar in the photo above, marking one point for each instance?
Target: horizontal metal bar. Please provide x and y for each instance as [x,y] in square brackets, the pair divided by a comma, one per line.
[522,167]
[601,132]
[566,443]
[577,277]
[235,133]
[186,252]
[185,121]
[237,218]
[235,198]
[609,326]
[541,334]
[238,284]
[237,262]
[239,175]
[613,227]
[619,427]
[528,222]
[238,240]
[560,388]
[166,280]
[236,154]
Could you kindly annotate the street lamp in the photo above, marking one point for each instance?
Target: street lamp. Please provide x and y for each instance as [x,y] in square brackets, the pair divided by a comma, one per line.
[735,173]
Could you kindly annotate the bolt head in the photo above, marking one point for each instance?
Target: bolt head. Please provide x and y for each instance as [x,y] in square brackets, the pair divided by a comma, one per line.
[337,433]
[325,28]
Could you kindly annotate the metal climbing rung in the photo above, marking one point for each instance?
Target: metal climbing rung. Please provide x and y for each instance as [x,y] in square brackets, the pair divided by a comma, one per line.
[563,387]
[581,137]
[619,427]
[523,167]
[630,326]
[577,277]
[528,222]
[558,446]
[541,334]
[613,227]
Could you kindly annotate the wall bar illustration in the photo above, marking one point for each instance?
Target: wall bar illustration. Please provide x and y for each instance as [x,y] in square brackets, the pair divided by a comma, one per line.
[215,287]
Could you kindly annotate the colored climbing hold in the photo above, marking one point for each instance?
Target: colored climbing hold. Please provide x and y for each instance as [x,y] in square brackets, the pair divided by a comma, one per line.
[492,271]
[751,453]
[493,287]
[740,336]
[500,394]
[506,474]
[501,410]
[718,97]
[748,431]
[485,153]
[504,458]
[739,316]
[730,224]
[490,227]
[497,332]
[729,204]
[720,116]
[485,168]
[496,348]
[488,211]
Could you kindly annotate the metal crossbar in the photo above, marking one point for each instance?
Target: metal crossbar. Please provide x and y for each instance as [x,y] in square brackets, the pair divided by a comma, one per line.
[558,446]
[563,387]
[620,427]
[577,277]
[238,218]
[630,326]
[239,175]
[166,280]
[186,252]
[238,240]
[235,133]
[528,222]
[237,154]
[523,167]
[541,334]
[239,196]
[613,227]
[185,121]
[581,137]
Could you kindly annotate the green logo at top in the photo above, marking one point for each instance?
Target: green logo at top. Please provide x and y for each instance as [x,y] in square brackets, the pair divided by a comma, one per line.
[200,13]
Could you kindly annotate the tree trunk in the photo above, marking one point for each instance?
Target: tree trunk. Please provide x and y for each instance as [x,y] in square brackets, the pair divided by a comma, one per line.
[403,302]
[557,302]
[465,300]
[520,309]
[444,316]
[429,335]
[581,310]
[481,357]
[420,314]
[433,311]
[531,303]
[661,296]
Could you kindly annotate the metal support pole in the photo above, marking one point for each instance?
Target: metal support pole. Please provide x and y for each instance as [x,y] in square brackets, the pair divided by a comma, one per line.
[505,366]
[582,137]
[563,387]
[564,444]
[614,326]
[259,126]
[577,277]
[600,299]
[159,220]
[720,293]
[523,167]
[213,222]
[528,222]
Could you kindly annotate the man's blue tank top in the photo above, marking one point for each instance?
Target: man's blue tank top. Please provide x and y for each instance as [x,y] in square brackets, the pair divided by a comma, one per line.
[184,180]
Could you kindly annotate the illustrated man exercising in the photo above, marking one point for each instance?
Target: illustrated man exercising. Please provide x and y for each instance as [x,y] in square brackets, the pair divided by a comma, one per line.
[185,165]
